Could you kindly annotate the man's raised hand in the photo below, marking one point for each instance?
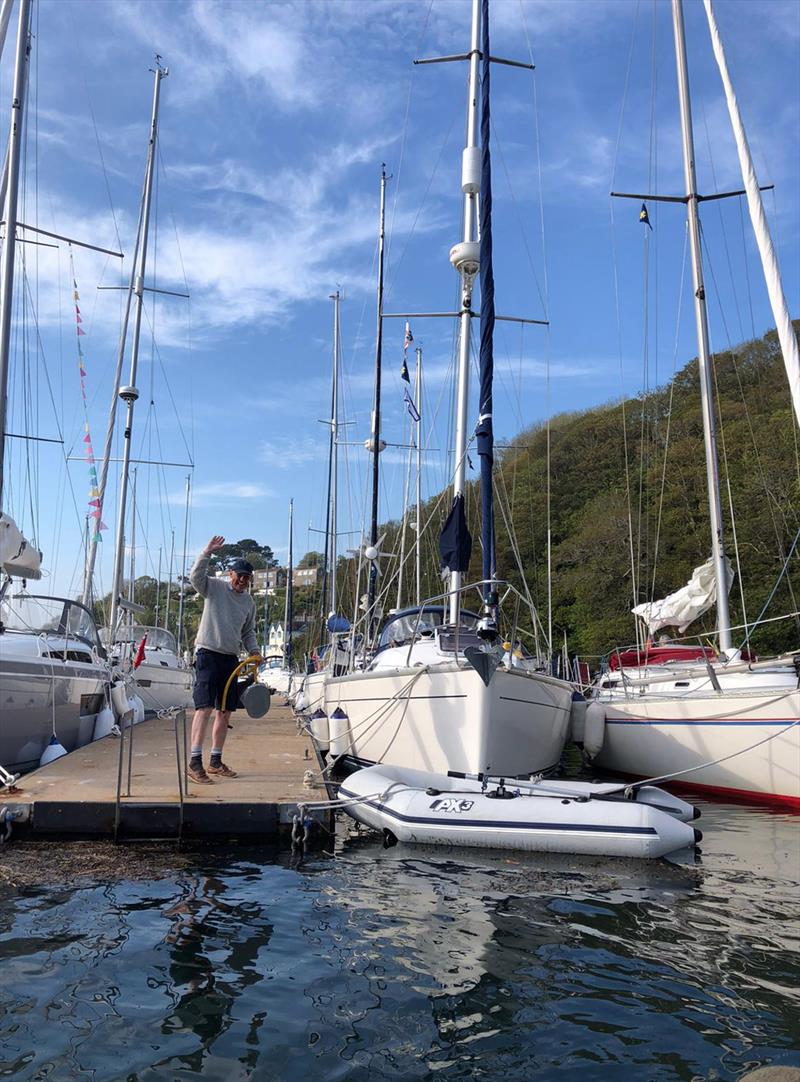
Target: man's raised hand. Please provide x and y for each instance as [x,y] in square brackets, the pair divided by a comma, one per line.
[216,543]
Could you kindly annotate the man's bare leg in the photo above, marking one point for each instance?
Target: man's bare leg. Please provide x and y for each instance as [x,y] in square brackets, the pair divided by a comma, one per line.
[218,734]
[220,728]
[199,725]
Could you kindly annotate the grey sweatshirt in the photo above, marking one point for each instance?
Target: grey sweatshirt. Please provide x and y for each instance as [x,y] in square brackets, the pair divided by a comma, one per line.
[229,619]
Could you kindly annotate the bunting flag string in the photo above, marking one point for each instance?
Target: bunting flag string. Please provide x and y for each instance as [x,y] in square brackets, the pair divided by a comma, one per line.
[94,505]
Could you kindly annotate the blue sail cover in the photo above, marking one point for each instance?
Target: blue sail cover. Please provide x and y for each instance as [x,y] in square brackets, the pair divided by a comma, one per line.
[484,431]
[455,540]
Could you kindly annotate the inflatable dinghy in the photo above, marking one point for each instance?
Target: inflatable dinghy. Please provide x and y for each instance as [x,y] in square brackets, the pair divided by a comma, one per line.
[541,815]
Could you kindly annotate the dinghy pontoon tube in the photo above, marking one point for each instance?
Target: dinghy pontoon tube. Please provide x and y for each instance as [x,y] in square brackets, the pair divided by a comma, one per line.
[539,816]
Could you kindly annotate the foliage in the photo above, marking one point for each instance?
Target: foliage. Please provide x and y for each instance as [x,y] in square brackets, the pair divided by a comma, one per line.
[260,556]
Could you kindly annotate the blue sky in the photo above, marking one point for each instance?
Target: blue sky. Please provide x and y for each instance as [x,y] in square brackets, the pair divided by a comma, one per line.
[275,120]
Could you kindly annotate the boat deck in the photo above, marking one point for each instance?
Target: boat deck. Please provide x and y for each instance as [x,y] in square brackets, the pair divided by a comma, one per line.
[76,796]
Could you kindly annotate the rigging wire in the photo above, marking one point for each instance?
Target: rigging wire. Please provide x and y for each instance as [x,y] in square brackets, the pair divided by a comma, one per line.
[618,312]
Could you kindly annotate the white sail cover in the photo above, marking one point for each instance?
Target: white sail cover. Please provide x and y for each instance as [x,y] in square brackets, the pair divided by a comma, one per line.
[685,605]
[18,557]
[780,310]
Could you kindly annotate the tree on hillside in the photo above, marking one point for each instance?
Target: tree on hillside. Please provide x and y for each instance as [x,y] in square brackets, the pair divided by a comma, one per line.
[260,556]
[311,559]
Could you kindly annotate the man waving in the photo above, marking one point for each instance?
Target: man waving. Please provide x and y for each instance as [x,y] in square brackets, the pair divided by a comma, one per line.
[228,621]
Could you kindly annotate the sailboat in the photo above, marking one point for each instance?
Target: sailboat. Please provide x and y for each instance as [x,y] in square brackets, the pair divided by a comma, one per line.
[163,678]
[53,676]
[440,692]
[334,655]
[709,719]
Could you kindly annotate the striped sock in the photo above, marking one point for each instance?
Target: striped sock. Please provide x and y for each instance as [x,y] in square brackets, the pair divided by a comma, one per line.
[216,756]
[196,758]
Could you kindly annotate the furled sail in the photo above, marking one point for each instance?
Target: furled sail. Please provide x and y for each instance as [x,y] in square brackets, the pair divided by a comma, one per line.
[455,540]
[685,605]
[18,557]
[484,432]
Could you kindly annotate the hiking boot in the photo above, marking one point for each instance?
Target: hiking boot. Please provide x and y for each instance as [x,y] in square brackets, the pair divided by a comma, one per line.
[222,771]
[198,774]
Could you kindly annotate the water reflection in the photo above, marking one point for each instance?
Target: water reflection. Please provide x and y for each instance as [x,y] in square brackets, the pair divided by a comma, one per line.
[412,964]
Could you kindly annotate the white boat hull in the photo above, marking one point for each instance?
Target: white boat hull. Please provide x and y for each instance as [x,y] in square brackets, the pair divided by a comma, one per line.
[431,809]
[446,718]
[163,682]
[655,734]
[41,695]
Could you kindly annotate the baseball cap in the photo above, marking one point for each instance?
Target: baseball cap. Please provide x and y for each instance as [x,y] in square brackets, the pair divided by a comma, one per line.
[241,567]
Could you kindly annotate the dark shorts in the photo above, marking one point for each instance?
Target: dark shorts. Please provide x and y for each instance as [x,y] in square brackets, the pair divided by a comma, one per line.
[211,672]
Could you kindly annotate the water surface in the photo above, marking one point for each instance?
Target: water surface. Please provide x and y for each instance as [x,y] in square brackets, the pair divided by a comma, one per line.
[406,963]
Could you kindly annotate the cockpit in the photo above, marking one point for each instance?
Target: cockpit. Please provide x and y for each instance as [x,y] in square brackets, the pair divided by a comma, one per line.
[413,625]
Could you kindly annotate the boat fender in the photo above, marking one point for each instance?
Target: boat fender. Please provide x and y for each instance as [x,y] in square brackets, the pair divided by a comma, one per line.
[594,729]
[256,700]
[698,835]
[577,718]
[389,839]
[119,700]
[137,703]
[338,724]
[53,751]
[104,723]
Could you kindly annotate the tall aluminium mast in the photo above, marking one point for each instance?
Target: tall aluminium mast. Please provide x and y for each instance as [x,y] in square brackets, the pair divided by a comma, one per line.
[130,393]
[375,437]
[12,195]
[701,319]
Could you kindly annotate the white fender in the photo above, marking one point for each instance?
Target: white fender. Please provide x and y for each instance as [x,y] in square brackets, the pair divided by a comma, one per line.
[119,699]
[577,720]
[338,726]
[594,729]
[53,751]
[320,729]
[137,703]
[104,723]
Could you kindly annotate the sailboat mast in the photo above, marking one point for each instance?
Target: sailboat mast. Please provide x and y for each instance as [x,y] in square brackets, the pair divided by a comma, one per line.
[9,248]
[169,581]
[134,509]
[287,613]
[182,594]
[418,393]
[469,235]
[158,589]
[755,204]
[129,394]
[332,524]
[375,445]
[701,319]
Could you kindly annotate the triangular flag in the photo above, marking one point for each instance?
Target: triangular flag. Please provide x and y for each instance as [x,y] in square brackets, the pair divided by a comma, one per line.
[102,526]
[94,503]
[83,372]
[75,295]
[81,332]
[96,492]
[97,537]
[87,438]
[78,314]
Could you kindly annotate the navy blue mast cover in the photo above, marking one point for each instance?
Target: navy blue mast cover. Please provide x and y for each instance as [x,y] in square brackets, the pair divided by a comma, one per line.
[455,540]
[484,431]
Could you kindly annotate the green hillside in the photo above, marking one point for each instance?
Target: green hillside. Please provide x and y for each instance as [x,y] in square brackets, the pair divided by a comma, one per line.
[592,564]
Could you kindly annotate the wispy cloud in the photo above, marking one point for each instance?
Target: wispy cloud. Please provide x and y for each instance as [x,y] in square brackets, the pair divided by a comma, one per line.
[216,495]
